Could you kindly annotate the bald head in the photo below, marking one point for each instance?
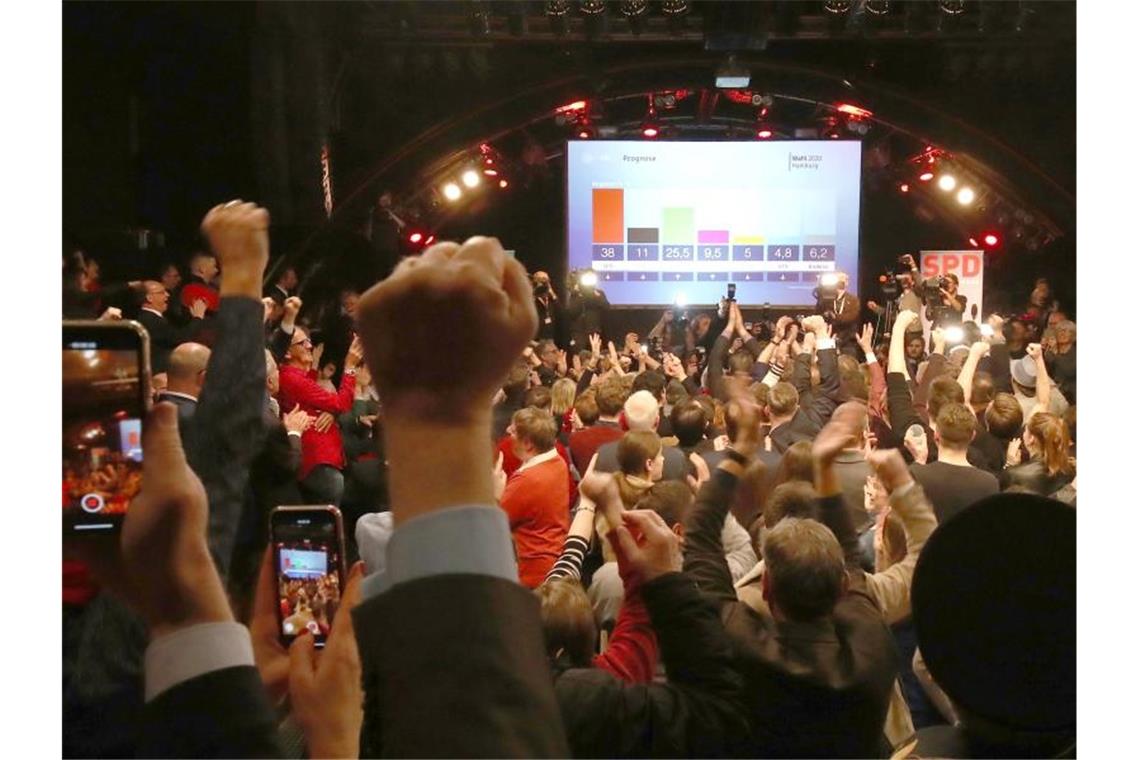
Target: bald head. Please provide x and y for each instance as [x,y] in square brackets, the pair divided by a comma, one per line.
[641,411]
[187,368]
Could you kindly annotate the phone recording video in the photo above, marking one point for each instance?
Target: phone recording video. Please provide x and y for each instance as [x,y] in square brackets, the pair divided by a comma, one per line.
[308,557]
[105,397]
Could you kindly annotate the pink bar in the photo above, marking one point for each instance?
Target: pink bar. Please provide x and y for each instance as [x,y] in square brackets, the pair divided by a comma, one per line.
[712,236]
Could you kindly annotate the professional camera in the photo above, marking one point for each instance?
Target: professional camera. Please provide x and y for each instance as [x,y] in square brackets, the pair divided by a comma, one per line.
[541,288]
[932,287]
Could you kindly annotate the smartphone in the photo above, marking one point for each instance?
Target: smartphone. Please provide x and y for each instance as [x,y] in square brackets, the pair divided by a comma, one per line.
[106,394]
[308,560]
[732,291]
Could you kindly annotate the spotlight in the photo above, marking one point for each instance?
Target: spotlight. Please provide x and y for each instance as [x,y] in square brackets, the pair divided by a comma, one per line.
[954,334]
[589,278]
[856,111]
[585,133]
[674,7]
[634,8]
[577,105]
[829,280]
[904,188]
[649,130]
[991,239]
[502,183]
[837,7]
[557,7]
[451,191]
[593,7]
[680,299]
[974,242]
[415,237]
[471,178]
[966,196]
[952,7]
[491,172]
[878,7]
[947,182]
[764,134]
[926,176]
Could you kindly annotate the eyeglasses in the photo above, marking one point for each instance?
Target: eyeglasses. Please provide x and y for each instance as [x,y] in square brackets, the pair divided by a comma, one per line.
[306,342]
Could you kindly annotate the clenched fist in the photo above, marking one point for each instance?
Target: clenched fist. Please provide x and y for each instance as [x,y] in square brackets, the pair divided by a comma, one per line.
[441,333]
[238,234]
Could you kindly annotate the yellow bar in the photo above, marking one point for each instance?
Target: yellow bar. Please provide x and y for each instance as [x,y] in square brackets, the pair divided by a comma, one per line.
[748,239]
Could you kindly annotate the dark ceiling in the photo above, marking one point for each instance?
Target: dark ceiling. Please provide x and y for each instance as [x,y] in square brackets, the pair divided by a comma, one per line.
[170,107]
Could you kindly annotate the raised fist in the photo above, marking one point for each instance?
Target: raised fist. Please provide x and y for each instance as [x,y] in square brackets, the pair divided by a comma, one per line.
[239,236]
[905,318]
[292,307]
[441,333]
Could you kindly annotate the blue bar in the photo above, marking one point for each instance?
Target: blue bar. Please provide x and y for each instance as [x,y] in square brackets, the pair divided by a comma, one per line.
[819,253]
[712,253]
[608,253]
[611,276]
[783,277]
[641,252]
[642,276]
[783,253]
[677,276]
[747,252]
[677,253]
[748,276]
[712,276]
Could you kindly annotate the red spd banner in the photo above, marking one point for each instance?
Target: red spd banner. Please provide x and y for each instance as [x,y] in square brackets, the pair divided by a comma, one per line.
[969,266]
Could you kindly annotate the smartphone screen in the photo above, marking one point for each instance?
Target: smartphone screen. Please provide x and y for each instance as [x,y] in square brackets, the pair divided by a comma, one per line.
[308,556]
[106,368]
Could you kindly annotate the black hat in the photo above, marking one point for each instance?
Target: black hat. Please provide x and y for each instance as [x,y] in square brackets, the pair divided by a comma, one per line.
[995,610]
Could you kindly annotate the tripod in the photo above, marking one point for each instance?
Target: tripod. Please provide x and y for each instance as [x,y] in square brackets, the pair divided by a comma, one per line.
[886,319]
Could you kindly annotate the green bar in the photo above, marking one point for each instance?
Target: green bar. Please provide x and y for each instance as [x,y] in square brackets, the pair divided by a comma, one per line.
[679,226]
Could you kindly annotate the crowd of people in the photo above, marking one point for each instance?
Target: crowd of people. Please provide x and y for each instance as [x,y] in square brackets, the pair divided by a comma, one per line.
[701,541]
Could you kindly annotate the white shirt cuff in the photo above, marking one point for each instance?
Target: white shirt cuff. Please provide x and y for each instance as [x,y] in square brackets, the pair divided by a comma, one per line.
[872,359]
[822,344]
[195,651]
[294,432]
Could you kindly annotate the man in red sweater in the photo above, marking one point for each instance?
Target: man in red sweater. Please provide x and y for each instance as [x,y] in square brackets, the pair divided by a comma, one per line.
[536,498]
[586,442]
[203,282]
[322,451]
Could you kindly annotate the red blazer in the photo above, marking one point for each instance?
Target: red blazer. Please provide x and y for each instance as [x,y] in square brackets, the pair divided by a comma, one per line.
[300,387]
[536,502]
[586,442]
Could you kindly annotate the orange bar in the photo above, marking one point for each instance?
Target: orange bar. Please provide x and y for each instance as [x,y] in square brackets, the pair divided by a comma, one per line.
[609,215]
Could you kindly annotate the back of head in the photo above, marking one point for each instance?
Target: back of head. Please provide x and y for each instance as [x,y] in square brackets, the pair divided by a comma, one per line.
[536,427]
[891,548]
[611,397]
[792,499]
[567,620]
[636,448]
[652,381]
[982,391]
[562,396]
[538,397]
[956,424]
[689,422]
[671,499]
[783,399]
[796,464]
[1004,418]
[1052,437]
[852,383]
[675,392]
[586,406]
[805,567]
[517,379]
[186,361]
[741,363]
[641,411]
[944,390]
[760,393]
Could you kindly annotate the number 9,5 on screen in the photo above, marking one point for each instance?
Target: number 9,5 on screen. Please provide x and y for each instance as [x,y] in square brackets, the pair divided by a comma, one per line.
[608,253]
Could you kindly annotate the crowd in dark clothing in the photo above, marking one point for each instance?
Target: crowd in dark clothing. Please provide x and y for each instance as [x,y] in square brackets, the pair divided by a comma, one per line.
[704,549]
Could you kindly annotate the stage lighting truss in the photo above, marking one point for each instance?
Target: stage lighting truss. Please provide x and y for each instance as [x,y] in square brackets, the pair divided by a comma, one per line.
[952,7]
[878,7]
[674,7]
[632,9]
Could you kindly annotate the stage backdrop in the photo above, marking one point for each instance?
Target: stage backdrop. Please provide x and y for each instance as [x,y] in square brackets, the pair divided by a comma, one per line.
[969,266]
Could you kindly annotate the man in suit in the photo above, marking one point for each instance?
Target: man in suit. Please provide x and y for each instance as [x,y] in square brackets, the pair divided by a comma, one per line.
[163,335]
[844,317]
[791,420]
[185,376]
[819,669]
[643,413]
[284,287]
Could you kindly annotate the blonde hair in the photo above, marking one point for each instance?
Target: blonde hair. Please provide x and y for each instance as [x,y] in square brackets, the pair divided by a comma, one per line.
[562,396]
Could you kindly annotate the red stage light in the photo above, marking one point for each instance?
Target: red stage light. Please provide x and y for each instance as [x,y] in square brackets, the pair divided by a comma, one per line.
[904,188]
[926,176]
[491,172]
[489,162]
[764,111]
[430,240]
[764,134]
[974,242]
[415,237]
[847,108]
[584,135]
[991,239]
[649,131]
[502,183]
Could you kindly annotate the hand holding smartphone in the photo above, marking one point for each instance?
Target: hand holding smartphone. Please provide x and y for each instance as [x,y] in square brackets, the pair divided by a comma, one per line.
[308,561]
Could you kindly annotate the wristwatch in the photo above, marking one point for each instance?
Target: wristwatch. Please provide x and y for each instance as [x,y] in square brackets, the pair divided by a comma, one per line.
[350,372]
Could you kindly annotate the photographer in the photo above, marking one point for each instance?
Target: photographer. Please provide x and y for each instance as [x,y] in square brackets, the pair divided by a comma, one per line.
[943,304]
[551,323]
[586,306]
[842,313]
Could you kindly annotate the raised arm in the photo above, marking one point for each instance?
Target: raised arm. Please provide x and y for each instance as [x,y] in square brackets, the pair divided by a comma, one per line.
[840,432]
[969,367]
[891,588]
[826,399]
[1044,383]
[900,405]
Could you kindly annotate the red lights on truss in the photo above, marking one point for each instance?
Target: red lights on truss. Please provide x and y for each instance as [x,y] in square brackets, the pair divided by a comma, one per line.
[577,105]
[856,111]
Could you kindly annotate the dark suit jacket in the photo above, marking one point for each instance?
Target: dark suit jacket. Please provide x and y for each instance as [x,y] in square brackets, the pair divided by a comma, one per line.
[220,714]
[186,409]
[815,406]
[164,337]
[455,666]
[814,689]
[851,469]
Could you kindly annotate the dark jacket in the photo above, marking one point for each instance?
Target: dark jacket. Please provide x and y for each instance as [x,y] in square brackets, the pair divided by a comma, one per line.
[698,713]
[676,466]
[815,406]
[165,337]
[814,689]
[1032,475]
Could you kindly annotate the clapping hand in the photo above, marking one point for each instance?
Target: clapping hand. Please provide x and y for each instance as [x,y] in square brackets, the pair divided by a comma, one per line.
[499,477]
[198,309]
[297,421]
